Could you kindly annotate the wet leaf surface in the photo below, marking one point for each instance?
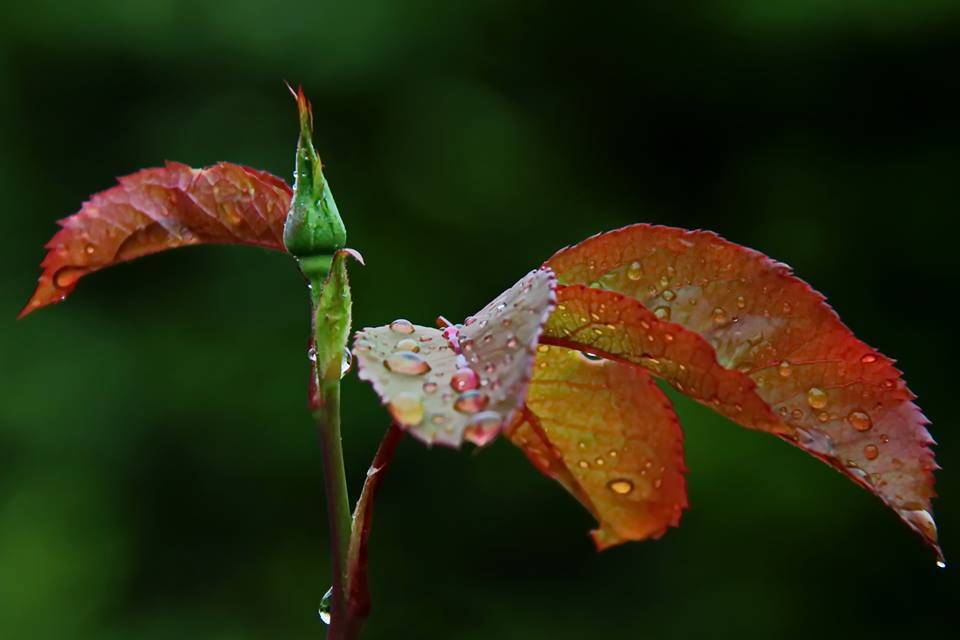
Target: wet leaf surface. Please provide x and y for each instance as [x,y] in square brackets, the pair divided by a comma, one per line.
[838,398]
[609,435]
[158,209]
[466,382]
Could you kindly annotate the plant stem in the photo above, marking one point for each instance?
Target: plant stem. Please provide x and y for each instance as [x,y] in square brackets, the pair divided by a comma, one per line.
[327,416]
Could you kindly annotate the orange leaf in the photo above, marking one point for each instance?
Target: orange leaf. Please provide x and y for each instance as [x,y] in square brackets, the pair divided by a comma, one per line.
[845,402]
[606,432]
[616,327]
[158,209]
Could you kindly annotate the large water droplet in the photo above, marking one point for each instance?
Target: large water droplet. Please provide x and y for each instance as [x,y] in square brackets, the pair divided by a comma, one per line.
[402,326]
[483,428]
[346,364]
[89,249]
[922,520]
[408,344]
[406,409]
[868,358]
[620,486]
[471,402]
[784,369]
[662,312]
[67,276]
[407,363]
[635,271]
[817,398]
[870,452]
[464,379]
[326,602]
[860,420]
[815,441]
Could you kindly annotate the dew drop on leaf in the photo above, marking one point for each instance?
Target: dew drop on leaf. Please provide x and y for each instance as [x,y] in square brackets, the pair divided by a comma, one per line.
[720,317]
[407,363]
[471,402]
[402,326]
[817,398]
[483,427]
[408,344]
[620,486]
[346,364]
[66,277]
[464,379]
[406,409]
[859,420]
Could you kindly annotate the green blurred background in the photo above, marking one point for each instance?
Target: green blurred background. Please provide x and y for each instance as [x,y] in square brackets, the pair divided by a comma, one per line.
[159,474]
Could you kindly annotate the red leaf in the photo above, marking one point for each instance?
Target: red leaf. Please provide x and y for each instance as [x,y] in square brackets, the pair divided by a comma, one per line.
[606,432]
[158,209]
[844,401]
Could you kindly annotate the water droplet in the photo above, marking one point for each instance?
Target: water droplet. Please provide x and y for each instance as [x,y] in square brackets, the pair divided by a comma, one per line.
[620,486]
[815,441]
[720,317]
[89,249]
[406,409]
[464,380]
[406,362]
[868,358]
[817,398]
[469,321]
[326,603]
[860,420]
[408,344]
[363,346]
[543,348]
[346,363]
[501,307]
[583,464]
[471,402]
[870,452]
[785,369]
[429,387]
[668,295]
[590,357]
[599,462]
[662,312]
[741,302]
[922,520]
[512,342]
[402,326]
[67,276]
[483,427]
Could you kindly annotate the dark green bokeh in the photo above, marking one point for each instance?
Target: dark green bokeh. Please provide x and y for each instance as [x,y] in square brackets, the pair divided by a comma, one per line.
[159,475]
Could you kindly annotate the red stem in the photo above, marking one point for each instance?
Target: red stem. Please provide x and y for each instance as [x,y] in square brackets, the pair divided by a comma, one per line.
[358,599]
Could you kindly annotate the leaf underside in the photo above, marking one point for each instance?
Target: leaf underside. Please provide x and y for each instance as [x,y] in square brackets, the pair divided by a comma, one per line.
[464,383]
[608,434]
[158,209]
[737,331]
